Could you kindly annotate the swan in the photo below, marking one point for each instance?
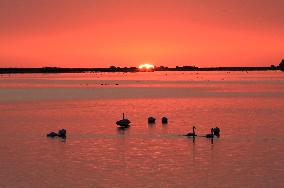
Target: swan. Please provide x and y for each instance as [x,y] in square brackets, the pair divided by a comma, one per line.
[61,133]
[123,122]
[164,120]
[193,132]
[210,135]
[151,120]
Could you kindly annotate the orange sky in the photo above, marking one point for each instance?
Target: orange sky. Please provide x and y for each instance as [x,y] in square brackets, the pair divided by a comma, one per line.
[101,33]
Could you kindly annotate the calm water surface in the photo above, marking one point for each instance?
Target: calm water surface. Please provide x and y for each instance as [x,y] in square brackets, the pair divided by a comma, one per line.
[248,107]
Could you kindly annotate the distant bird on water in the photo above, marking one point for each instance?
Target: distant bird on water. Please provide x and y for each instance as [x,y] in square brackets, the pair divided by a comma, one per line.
[61,133]
[210,135]
[123,122]
[164,120]
[151,120]
[191,134]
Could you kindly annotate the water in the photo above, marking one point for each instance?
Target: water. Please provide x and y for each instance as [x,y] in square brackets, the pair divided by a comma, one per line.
[248,107]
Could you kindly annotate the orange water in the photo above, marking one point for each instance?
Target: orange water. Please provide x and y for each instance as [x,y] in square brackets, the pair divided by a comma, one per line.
[248,107]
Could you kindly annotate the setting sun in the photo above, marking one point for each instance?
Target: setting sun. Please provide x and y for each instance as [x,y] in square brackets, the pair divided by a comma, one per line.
[146,67]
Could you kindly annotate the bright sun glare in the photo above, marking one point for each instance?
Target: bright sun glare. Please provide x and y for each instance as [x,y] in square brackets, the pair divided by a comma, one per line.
[146,66]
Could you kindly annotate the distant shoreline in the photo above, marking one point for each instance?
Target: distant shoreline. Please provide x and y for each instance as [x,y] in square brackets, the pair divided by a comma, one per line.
[129,69]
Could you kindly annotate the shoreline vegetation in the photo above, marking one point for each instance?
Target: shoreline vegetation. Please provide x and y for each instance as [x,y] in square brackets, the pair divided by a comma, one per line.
[135,69]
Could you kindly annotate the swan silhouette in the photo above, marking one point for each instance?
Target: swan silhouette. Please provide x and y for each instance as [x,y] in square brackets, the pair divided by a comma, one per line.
[193,132]
[123,122]
[151,120]
[61,133]
[164,120]
[211,135]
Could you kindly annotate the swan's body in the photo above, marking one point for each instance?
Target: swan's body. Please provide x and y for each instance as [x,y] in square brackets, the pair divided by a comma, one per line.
[52,134]
[123,123]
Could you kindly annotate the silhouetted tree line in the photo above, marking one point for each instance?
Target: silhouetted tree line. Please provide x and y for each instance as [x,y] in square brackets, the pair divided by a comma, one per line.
[135,69]
[281,65]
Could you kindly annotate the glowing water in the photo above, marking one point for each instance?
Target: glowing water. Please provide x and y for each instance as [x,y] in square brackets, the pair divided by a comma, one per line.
[248,107]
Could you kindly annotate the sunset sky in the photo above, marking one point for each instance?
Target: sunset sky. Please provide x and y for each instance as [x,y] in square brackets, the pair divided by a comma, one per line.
[101,33]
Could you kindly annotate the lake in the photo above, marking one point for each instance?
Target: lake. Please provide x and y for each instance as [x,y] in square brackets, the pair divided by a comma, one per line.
[247,106]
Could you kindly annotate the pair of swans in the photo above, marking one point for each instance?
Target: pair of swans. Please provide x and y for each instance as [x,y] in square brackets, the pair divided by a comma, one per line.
[214,132]
[152,120]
